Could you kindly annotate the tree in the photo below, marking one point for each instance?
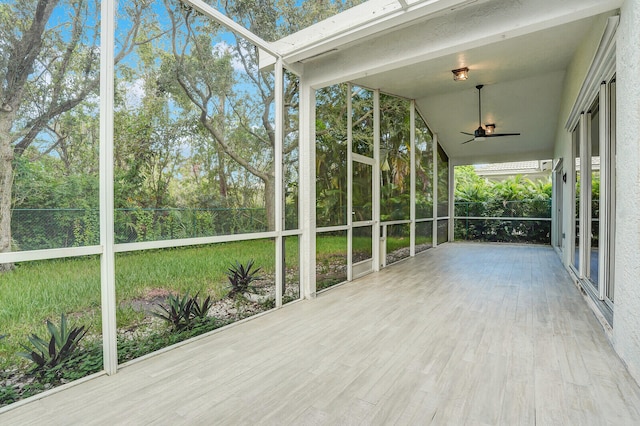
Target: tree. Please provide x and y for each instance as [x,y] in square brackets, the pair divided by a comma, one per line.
[233,107]
[331,155]
[49,67]
[228,87]
[396,165]
[49,64]
[424,169]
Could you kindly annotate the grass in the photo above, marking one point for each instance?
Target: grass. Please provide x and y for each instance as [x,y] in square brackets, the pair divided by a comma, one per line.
[37,291]
[331,243]
[41,290]
[395,243]
[187,269]
[331,250]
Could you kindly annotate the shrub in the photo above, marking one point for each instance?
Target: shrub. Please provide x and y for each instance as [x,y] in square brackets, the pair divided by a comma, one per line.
[133,348]
[241,277]
[62,344]
[8,395]
[184,312]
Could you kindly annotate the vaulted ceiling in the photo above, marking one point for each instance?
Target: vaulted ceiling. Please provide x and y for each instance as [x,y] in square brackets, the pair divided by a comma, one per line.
[519,51]
[523,83]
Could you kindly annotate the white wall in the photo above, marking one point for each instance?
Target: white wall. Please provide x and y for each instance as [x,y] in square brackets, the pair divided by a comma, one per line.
[626,320]
[574,77]
[626,316]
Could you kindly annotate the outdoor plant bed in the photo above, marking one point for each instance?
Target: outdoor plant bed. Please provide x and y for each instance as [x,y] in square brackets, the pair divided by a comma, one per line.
[145,335]
[20,383]
[152,334]
[404,252]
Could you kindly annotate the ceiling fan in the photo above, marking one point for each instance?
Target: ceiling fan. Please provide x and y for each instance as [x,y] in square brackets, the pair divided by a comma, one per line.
[484,132]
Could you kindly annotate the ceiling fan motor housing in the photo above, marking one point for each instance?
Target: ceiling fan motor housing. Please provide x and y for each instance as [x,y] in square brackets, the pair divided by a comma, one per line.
[481,133]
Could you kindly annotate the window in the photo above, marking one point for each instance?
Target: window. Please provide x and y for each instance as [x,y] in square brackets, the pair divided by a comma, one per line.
[594,167]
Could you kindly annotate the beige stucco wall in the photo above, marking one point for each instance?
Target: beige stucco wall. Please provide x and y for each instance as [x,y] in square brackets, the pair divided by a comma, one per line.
[626,316]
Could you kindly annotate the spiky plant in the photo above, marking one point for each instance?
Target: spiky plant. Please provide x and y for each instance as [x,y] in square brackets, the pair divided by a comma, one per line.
[63,342]
[240,277]
[184,312]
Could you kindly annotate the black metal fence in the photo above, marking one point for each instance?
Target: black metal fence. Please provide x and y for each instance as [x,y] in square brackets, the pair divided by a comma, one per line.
[526,221]
[34,229]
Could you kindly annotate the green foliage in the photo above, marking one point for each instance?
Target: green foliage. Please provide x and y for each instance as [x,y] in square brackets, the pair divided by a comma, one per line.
[53,207]
[395,145]
[443,182]
[38,290]
[136,224]
[80,364]
[424,169]
[472,188]
[515,197]
[398,236]
[331,155]
[184,312]
[240,277]
[394,203]
[331,258]
[8,395]
[63,342]
[129,349]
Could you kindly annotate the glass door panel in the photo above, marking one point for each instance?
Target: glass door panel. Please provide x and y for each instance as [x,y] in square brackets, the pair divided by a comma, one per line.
[362,244]
[361,250]
[362,119]
[558,200]
[610,204]
[362,193]
[576,245]
[362,217]
[594,213]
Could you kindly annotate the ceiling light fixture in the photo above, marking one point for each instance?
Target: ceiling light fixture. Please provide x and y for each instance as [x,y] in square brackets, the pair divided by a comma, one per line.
[490,128]
[460,74]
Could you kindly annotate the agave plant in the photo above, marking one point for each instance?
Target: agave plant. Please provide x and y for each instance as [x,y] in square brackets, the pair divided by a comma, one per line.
[184,312]
[240,277]
[63,342]
[200,311]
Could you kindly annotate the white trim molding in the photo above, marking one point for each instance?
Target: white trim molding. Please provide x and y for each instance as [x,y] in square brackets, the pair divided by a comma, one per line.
[601,68]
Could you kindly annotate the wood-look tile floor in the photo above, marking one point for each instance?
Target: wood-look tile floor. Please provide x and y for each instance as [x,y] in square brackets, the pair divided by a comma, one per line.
[462,334]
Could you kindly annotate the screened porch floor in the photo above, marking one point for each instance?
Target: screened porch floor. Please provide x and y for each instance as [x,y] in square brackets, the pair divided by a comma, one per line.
[462,334]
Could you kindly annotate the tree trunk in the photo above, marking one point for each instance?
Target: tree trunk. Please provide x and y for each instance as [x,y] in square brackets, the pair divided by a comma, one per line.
[222,176]
[6,183]
[270,201]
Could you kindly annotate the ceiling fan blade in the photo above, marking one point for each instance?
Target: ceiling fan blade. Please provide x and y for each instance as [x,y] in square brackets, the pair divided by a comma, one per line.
[470,140]
[466,133]
[502,134]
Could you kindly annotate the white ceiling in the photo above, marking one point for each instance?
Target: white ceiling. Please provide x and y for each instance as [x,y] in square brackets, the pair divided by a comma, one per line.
[523,79]
[519,51]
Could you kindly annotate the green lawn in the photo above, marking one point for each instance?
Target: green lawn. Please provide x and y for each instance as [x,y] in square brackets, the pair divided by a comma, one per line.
[41,290]
[395,243]
[37,291]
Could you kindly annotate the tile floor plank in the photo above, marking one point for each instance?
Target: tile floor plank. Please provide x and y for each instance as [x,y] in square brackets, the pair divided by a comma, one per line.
[479,334]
